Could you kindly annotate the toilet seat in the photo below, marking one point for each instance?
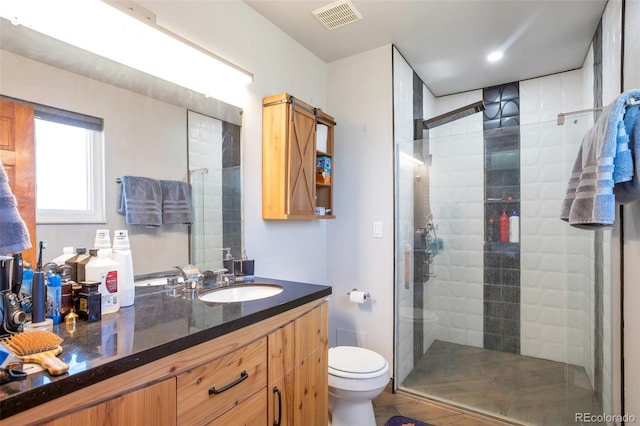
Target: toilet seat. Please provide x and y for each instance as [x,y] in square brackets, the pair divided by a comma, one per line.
[356,363]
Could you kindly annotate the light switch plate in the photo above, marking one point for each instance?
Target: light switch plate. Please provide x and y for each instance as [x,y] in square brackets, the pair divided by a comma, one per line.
[377,229]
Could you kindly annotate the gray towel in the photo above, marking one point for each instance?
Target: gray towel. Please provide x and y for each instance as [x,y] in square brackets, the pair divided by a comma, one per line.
[604,160]
[14,235]
[141,201]
[176,202]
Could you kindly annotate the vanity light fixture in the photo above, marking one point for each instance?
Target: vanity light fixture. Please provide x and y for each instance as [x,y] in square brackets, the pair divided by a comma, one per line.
[121,31]
[495,56]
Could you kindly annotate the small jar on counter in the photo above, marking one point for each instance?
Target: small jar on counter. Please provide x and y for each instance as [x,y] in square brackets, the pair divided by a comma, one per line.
[90,301]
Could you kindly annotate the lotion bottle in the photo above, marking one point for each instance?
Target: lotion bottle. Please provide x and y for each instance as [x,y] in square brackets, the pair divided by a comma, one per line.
[514,228]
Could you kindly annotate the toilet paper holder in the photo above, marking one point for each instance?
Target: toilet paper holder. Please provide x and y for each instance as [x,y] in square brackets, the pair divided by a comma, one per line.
[366,294]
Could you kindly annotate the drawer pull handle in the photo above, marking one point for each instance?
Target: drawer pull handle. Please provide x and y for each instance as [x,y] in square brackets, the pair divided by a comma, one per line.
[279,421]
[243,376]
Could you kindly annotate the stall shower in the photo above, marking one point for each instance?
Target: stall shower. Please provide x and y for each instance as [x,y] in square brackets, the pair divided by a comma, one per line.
[518,329]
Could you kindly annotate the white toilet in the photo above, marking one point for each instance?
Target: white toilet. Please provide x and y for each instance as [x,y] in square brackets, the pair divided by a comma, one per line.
[356,377]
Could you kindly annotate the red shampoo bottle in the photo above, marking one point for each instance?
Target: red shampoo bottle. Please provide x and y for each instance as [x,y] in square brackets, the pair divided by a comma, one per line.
[504,227]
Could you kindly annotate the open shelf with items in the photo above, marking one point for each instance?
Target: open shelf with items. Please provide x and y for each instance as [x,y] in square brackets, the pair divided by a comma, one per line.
[297,160]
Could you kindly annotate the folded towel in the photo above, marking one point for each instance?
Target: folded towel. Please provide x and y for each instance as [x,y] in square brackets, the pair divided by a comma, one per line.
[14,235]
[604,159]
[176,202]
[627,192]
[141,201]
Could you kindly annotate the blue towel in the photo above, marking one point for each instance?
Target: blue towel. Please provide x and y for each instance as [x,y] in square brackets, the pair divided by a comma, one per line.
[14,235]
[141,201]
[604,160]
[176,202]
[627,192]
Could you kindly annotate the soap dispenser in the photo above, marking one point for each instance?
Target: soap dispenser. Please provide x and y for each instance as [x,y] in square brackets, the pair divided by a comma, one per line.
[244,267]
[228,263]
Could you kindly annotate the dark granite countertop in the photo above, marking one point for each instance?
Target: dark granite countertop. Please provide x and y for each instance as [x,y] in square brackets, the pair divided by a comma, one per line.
[158,324]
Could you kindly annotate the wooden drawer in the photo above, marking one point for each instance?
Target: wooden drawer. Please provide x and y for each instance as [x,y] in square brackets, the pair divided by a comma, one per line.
[252,412]
[208,391]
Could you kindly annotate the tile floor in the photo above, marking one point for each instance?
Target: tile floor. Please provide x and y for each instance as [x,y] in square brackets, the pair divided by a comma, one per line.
[389,404]
[532,390]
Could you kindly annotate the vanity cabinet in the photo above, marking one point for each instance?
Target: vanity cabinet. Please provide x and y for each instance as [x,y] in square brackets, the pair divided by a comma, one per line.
[297,142]
[298,371]
[206,385]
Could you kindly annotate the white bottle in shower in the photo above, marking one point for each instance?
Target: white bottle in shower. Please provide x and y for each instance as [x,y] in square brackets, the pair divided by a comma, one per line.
[514,228]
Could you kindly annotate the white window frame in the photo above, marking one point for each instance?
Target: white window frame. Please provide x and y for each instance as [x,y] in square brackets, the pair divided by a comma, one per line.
[95,212]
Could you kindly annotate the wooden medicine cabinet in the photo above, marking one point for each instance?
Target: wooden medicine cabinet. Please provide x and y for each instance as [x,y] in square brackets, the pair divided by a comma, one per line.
[297,160]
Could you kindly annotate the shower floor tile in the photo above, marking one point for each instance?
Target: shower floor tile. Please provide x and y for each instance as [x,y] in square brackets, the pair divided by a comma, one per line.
[536,391]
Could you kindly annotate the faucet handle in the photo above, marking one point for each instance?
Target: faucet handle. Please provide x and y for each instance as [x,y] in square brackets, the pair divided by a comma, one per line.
[224,278]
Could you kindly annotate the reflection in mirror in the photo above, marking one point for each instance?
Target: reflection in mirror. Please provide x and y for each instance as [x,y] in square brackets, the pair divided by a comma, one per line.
[215,176]
[145,134]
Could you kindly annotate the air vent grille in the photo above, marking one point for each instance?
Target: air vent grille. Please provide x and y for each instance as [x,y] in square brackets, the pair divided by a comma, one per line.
[337,14]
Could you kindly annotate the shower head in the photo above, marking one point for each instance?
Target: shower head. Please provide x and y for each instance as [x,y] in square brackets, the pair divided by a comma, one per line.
[450,116]
[456,114]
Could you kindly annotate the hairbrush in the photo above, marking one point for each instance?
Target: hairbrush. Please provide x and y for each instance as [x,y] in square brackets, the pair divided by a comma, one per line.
[38,346]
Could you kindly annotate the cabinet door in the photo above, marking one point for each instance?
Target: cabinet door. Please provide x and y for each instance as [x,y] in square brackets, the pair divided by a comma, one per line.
[151,406]
[18,159]
[301,153]
[298,370]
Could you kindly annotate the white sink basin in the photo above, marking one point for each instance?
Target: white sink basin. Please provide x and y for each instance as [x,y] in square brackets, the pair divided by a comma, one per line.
[241,293]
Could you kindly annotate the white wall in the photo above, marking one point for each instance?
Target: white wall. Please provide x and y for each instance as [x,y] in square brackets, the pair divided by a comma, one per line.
[360,95]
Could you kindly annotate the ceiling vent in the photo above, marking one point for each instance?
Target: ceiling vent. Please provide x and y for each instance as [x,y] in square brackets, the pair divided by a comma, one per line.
[337,14]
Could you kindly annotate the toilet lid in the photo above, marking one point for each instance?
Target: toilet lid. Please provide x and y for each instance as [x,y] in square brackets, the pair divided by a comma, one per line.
[351,359]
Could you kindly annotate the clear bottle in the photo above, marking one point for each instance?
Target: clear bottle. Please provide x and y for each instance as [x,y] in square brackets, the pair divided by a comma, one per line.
[121,253]
[105,271]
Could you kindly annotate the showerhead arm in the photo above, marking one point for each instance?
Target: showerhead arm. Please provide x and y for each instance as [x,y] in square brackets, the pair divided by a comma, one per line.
[450,116]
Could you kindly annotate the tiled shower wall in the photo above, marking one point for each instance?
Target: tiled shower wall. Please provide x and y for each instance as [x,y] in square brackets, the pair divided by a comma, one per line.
[501,281]
[456,178]
[205,151]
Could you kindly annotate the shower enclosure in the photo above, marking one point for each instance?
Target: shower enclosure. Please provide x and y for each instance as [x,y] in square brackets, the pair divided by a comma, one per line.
[515,328]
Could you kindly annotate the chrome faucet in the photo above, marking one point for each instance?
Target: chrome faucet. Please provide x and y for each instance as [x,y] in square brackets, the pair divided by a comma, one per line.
[224,278]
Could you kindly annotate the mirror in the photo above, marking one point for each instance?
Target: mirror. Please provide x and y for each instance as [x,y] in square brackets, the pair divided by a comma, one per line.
[145,132]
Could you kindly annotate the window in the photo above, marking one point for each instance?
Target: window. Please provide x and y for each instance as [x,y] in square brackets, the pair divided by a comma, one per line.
[69,167]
